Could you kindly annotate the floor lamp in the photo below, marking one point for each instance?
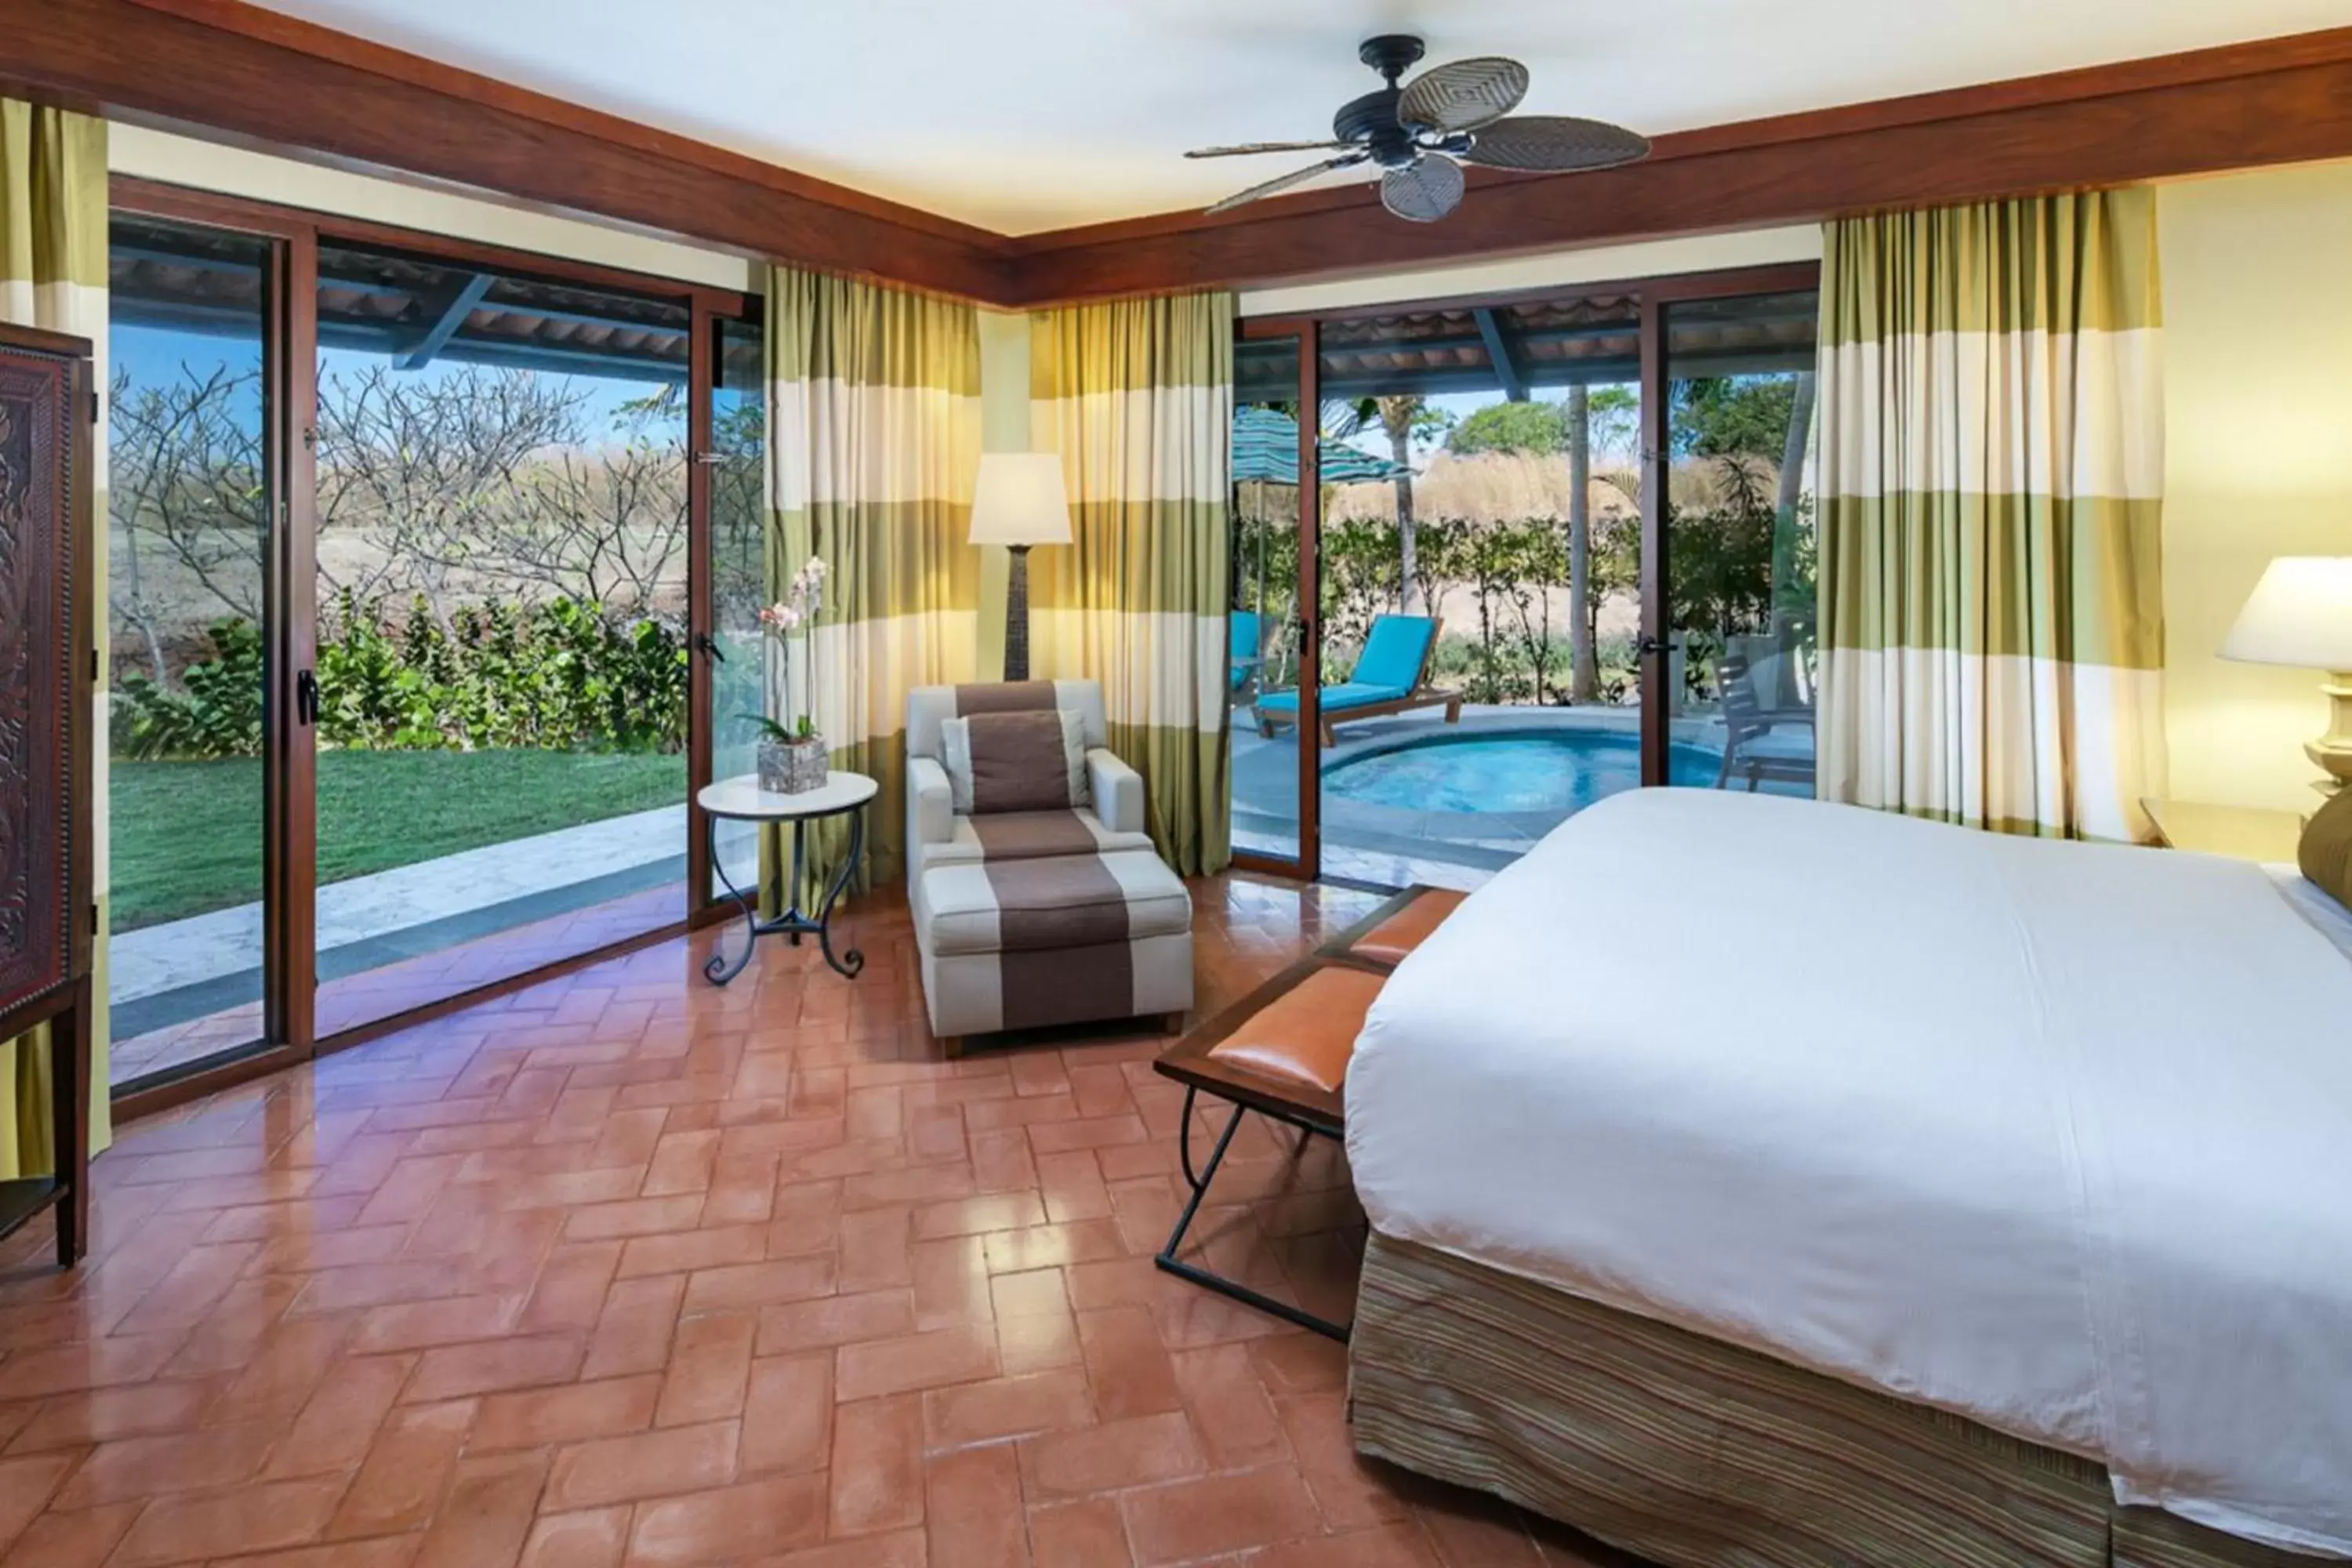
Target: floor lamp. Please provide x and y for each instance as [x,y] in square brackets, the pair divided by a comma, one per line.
[1020,500]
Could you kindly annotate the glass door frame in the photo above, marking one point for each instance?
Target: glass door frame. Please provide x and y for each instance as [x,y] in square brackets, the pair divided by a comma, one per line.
[1654,296]
[1309,609]
[289,842]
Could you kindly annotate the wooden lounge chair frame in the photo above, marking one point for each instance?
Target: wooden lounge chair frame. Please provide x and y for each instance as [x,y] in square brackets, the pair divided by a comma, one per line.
[1313,1112]
[1422,695]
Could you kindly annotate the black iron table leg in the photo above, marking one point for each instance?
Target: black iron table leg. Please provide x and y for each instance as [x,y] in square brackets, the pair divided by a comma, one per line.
[793,923]
[1168,1260]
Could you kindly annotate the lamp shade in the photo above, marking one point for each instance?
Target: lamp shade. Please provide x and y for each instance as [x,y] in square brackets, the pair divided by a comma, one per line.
[1020,500]
[2299,613]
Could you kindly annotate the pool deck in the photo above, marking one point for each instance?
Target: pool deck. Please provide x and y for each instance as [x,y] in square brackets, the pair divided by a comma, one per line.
[1394,844]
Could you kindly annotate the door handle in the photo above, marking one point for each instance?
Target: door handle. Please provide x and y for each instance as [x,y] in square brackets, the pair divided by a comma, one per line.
[306,697]
[1648,646]
[704,643]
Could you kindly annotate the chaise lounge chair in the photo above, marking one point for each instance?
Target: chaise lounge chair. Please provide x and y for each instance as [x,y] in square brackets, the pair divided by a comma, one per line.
[1762,740]
[1389,678]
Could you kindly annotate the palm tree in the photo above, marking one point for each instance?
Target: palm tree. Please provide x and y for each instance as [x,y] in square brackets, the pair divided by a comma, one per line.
[1400,418]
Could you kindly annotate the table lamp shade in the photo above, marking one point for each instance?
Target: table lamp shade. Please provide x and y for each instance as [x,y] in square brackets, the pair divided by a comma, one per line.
[1020,500]
[2299,613]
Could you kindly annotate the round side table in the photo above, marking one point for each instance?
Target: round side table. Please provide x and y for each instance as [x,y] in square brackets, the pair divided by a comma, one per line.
[743,800]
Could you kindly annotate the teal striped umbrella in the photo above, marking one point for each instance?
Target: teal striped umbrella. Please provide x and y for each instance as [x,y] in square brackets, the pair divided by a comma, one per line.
[1265,446]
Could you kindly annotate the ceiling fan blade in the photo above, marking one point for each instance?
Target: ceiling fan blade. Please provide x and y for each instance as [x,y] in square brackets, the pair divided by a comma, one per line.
[1246,147]
[1284,183]
[1463,95]
[1552,141]
[1424,191]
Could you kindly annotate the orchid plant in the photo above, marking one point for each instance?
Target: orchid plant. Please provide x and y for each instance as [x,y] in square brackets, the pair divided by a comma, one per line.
[795,614]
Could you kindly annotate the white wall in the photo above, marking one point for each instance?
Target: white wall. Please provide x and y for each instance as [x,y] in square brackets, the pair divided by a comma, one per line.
[1550,270]
[2258,457]
[261,176]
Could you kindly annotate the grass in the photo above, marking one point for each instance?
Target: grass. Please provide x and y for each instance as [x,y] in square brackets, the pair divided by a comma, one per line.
[186,836]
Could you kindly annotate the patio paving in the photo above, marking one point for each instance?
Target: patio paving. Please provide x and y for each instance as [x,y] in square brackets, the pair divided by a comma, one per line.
[165,974]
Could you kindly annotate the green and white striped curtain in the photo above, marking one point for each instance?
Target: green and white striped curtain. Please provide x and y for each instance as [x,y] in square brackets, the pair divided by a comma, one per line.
[1992,489]
[53,275]
[874,441]
[1136,395]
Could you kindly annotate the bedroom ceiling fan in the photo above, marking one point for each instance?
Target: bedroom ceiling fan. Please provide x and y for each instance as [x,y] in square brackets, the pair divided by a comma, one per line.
[1421,134]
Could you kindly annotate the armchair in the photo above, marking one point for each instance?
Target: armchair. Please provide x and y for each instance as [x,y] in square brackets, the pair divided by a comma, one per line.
[1037,896]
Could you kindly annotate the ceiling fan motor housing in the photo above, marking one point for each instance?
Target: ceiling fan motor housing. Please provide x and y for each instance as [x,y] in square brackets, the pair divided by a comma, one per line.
[1370,122]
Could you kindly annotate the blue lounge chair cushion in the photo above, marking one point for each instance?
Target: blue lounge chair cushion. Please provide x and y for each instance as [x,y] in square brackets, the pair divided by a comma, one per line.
[1242,643]
[1393,653]
[1349,694]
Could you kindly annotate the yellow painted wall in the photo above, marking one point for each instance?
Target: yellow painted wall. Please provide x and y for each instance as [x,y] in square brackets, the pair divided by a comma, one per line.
[2258,456]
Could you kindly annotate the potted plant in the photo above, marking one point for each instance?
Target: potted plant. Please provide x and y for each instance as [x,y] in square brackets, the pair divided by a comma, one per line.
[792,756]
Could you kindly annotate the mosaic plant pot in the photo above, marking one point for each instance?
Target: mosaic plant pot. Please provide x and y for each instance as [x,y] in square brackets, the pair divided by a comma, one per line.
[792,767]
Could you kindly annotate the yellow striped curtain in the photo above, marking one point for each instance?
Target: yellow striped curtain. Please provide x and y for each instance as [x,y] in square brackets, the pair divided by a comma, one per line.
[874,421]
[1991,491]
[1137,397]
[53,275]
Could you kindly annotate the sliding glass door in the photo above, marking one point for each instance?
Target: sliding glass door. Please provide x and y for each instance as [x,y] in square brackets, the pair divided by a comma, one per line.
[501,625]
[193,489]
[735,651]
[1269,680]
[1552,548]
[1740,558]
[410,545]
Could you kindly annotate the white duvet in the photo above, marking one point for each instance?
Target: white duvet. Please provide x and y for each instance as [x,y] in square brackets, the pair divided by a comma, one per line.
[2058,1136]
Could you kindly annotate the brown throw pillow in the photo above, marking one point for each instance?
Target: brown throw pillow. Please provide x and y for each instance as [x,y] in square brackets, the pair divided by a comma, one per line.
[1034,761]
[2325,855]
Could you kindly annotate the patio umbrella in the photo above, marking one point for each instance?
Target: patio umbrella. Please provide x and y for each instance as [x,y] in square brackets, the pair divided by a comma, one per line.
[1265,446]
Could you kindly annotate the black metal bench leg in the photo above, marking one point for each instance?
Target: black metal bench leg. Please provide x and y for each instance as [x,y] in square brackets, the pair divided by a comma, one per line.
[1168,1260]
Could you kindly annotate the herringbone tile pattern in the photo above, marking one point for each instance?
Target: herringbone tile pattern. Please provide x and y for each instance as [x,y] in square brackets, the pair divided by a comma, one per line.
[624,1268]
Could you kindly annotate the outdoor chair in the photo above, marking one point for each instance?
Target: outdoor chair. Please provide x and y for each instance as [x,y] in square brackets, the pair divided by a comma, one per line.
[1390,676]
[1760,741]
[1246,647]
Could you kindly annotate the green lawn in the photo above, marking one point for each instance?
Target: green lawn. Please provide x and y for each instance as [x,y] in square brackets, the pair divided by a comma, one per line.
[186,836]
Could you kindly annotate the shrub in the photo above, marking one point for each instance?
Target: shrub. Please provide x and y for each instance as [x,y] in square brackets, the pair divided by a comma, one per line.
[551,677]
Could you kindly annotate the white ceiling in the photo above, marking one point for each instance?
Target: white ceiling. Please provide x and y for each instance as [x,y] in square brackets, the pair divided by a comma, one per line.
[1035,114]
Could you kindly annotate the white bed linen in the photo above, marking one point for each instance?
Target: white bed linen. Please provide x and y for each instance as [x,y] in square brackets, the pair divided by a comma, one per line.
[2058,1136]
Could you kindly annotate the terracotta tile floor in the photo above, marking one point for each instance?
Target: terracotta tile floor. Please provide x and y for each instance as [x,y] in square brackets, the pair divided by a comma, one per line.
[627,1268]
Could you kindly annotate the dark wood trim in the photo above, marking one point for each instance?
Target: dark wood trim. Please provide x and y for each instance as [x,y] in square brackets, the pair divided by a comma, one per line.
[702,385]
[239,70]
[243,72]
[292,984]
[1310,601]
[1656,463]
[2277,101]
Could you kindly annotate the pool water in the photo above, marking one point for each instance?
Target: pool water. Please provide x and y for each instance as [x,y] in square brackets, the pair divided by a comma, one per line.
[1560,773]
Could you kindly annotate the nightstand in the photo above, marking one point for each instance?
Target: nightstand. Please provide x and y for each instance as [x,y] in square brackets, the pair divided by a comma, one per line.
[2241,832]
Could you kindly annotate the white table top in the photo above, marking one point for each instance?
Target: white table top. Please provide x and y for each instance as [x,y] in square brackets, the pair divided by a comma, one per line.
[742,797]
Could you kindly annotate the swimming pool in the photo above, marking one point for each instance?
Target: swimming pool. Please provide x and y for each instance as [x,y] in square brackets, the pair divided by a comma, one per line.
[1559,771]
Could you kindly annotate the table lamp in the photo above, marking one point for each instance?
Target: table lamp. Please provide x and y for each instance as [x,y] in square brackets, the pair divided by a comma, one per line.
[1019,501]
[2300,613]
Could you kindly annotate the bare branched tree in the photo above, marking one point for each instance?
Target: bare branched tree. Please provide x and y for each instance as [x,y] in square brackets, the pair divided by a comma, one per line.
[189,501]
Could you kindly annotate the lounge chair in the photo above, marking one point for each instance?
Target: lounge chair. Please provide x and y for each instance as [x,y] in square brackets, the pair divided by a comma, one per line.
[1245,647]
[1389,678]
[1761,742]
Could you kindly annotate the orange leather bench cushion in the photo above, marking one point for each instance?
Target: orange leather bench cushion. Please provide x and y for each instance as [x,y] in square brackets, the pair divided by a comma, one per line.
[1389,941]
[1306,1035]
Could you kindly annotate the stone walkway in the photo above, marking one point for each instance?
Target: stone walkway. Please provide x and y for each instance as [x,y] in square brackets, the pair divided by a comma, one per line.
[526,876]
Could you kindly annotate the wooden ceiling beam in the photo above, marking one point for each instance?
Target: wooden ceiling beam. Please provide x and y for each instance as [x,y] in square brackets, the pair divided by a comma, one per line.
[235,70]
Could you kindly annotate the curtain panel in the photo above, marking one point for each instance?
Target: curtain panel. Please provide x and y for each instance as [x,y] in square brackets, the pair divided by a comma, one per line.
[874,441]
[1136,395]
[53,275]
[1991,495]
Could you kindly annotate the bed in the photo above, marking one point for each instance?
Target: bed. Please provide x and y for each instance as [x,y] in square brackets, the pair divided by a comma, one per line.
[1759,1181]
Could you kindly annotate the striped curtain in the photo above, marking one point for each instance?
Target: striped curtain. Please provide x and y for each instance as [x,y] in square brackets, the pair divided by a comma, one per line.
[53,275]
[1136,395]
[1991,487]
[874,410]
